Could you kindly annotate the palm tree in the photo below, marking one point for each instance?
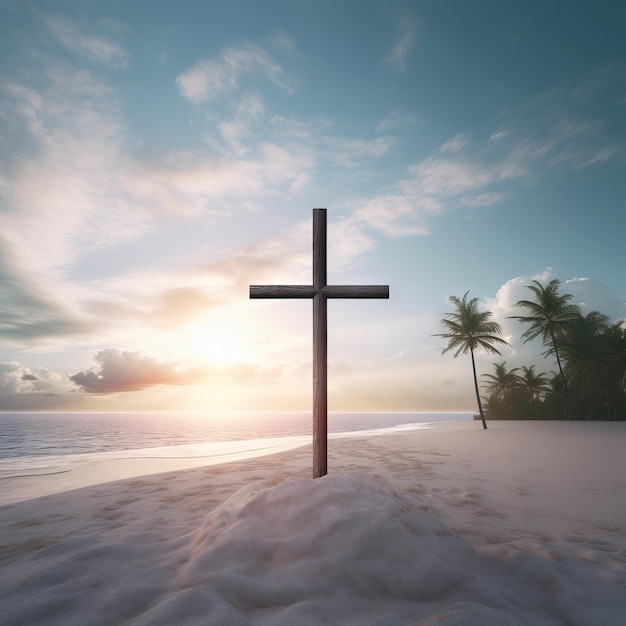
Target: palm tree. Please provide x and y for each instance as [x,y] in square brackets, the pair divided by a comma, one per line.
[469,329]
[549,314]
[588,346]
[504,390]
[502,383]
[616,335]
[535,385]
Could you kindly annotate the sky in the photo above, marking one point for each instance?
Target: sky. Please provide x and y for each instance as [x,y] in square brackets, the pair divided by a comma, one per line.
[157,158]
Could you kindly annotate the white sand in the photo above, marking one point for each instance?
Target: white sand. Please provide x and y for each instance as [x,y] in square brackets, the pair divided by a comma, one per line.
[522,524]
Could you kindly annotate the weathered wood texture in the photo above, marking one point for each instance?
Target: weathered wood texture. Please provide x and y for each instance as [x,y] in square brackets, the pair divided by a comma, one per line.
[319,291]
[328,291]
[320,347]
[356,291]
[282,291]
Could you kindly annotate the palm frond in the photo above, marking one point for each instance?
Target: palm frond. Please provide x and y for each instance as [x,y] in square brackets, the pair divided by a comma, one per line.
[468,328]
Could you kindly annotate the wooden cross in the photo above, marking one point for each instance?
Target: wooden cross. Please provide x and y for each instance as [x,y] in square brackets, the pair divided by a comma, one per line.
[319,291]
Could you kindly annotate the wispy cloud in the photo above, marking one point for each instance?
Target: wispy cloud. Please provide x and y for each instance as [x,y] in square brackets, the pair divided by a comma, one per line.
[64,191]
[323,145]
[445,177]
[350,153]
[347,242]
[211,78]
[569,125]
[501,133]
[299,129]
[446,180]
[65,183]
[95,48]
[396,120]
[238,128]
[283,41]
[456,144]
[74,192]
[564,127]
[404,41]
[483,199]
[395,214]
[197,180]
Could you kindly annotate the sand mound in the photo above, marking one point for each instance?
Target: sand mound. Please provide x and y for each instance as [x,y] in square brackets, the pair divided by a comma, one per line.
[342,549]
[306,538]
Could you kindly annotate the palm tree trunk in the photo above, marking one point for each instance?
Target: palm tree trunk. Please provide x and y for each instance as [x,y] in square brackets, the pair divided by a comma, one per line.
[480,406]
[595,408]
[565,388]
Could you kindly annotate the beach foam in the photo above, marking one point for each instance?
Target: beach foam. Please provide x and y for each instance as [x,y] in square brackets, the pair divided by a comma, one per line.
[449,526]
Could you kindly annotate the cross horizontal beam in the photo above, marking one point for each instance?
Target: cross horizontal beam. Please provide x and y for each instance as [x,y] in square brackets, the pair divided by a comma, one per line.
[328,291]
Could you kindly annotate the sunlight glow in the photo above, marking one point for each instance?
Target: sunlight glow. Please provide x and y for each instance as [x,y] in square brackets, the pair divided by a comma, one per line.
[219,347]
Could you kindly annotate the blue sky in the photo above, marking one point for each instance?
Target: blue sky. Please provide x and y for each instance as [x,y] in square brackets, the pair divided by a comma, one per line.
[156,158]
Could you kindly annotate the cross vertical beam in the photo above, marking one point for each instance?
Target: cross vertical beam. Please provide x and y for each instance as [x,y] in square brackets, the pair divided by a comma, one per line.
[319,291]
[320,347]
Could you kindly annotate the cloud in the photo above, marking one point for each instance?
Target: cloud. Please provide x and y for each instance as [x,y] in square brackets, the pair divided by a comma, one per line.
[588,294]
[501,133]
[75,195]
[16,378]
[395,215]
[483,199]
[196,181]
[502,305]
[183,304]
[298,129]
[350,153]
[406,36]
[210,79]
[570,125]
[66,175]
[601,156]
[444,177]
[30,310]
[116,371]
[396,120]
[140,302]
[285,257]
[154,304]
[593,295]
[435,185]
[346,243]
[456,144]
[564,127]
[95,48]
[248,111]
[71,194]
[331,153]
[283,41]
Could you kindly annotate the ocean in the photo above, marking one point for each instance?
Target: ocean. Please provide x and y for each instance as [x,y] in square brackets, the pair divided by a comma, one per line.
[34,446]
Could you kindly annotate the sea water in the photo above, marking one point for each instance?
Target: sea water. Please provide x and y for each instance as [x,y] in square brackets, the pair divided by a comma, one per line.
[45,444]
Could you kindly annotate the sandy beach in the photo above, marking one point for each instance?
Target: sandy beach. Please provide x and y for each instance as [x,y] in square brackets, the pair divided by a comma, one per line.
[522,524]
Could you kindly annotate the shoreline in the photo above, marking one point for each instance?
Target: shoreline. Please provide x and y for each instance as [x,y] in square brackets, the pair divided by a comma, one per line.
[56,474]
[447,447]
